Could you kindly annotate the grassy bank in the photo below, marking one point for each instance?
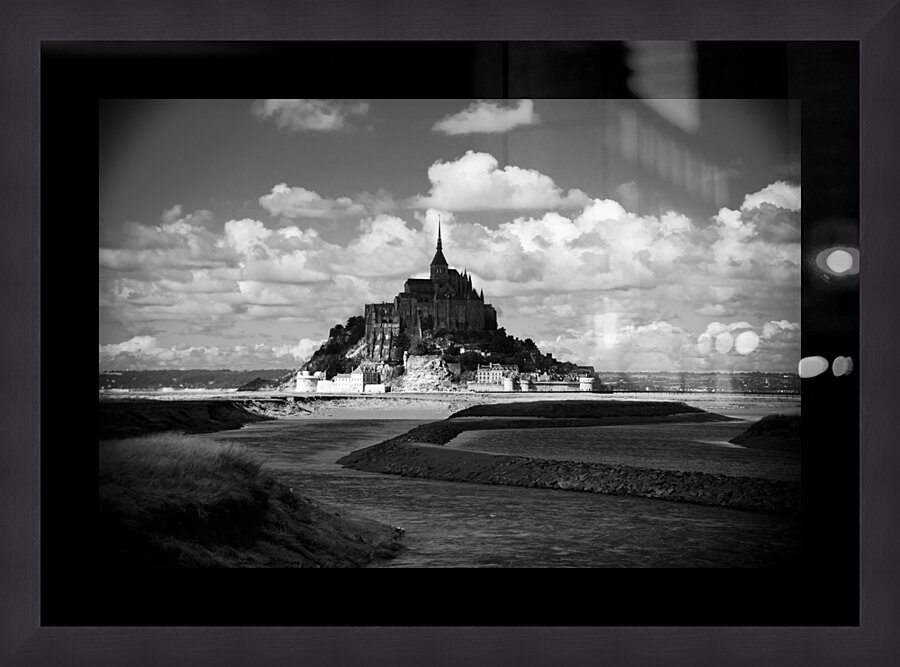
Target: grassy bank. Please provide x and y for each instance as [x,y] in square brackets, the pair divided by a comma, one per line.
[167,500]
[774,432]
[124,419]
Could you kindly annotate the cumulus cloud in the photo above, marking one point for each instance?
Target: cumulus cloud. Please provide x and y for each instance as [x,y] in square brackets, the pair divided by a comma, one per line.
[780,329]
[654,345]
[297,202]
[717,270]
[779,194]
[759,242]
[661,345]
[299,352]
[717,310]
[180,242]
[309,115]
[147,353]
[622,290]
[264,274]
[488,117]
[475,182]
[604,247]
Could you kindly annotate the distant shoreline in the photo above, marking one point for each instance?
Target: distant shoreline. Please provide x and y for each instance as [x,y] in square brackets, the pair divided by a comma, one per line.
[184,394]
[192,412]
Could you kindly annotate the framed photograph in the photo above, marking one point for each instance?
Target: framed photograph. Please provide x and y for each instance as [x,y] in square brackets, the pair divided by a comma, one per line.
[528,199]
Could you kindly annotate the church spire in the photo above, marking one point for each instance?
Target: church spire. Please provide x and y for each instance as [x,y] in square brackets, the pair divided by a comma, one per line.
[439,263]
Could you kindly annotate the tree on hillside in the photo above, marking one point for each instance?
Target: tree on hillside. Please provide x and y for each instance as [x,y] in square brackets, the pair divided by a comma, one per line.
[356,327]
[501,343]
[523,361]
[470,360]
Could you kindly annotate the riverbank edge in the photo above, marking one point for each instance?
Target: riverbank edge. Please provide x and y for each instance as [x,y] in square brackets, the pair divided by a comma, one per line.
[420,453]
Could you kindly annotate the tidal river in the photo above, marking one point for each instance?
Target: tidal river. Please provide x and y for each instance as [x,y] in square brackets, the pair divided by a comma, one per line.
[452,524]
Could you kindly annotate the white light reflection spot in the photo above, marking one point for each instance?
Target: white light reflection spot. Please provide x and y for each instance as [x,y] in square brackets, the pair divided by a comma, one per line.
[746,342]
[839,261]
[839,366]
[704,344]
[810,367]
[724,342]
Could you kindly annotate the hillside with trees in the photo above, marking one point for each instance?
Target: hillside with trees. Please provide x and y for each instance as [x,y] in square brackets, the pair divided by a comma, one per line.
[339,353]
[343,350]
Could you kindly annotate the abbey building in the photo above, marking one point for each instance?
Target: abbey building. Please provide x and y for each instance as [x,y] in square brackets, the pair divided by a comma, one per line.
[445,300]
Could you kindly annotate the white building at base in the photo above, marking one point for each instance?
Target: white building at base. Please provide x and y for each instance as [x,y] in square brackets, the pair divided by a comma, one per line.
[307,383]
[357,382]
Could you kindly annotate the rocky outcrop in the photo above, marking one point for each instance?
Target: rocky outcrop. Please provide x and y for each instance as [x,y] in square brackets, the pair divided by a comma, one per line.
[424,373]
[260,384]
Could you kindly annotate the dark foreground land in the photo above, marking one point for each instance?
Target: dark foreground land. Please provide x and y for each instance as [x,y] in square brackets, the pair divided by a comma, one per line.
[773,432]
[420,453]
[166,500]
[171,501]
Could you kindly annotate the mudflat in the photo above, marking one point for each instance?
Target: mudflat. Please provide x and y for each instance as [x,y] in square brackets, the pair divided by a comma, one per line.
[420,453]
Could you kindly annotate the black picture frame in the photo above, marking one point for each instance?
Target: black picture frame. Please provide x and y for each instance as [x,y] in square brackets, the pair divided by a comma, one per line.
[875,25]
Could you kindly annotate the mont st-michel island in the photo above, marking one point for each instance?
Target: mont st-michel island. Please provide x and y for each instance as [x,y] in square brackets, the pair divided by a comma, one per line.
[449,334]
[455,342]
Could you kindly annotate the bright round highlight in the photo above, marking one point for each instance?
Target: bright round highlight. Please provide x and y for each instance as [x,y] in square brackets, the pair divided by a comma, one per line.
[724,342]
[704,344]
[810,367]
[839,261]
[746,342]
[839,366]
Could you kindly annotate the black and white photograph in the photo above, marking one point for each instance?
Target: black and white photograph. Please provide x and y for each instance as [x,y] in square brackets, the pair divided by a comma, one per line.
[506,340]
[454,333]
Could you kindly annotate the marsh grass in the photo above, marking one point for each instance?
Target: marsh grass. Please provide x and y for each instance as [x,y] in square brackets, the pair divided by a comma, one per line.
[156,469]
[173,500]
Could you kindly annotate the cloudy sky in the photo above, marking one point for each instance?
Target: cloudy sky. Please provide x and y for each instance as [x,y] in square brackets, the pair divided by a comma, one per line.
[629,236]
